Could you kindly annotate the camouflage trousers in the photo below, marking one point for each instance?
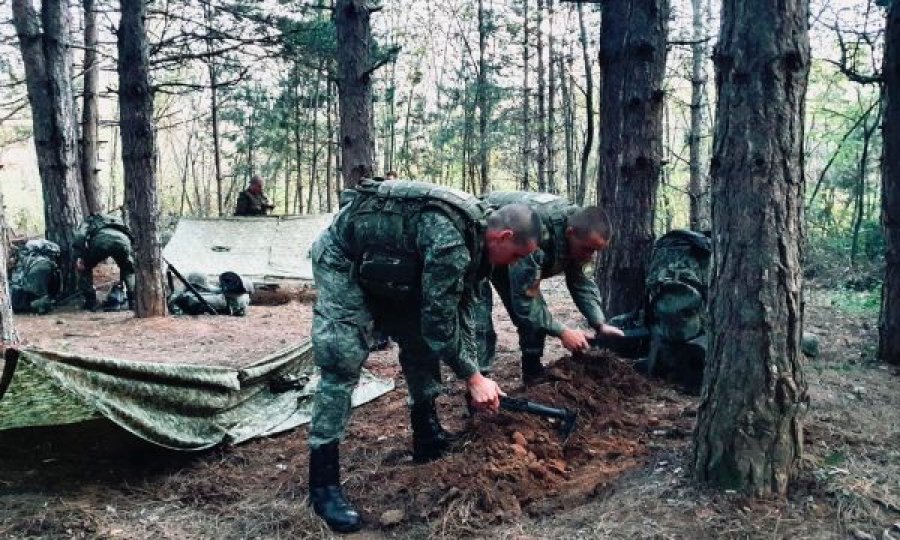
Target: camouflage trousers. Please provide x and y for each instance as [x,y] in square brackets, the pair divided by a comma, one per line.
[344,320]
[105,244]
[531,342]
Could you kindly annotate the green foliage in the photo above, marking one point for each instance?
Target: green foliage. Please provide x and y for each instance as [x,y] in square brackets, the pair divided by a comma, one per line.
[856,302]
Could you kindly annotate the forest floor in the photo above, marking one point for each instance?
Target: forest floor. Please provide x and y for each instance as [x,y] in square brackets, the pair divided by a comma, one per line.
[624,473]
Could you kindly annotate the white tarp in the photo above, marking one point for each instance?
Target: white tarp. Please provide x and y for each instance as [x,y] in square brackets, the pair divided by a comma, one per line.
[255,247]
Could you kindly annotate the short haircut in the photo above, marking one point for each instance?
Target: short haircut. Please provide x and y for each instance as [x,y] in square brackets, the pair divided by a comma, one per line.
[590,220]
[520,219]
[256,179]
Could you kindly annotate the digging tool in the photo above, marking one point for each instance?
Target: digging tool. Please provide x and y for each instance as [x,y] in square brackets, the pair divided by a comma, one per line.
[634,344]
[567,417]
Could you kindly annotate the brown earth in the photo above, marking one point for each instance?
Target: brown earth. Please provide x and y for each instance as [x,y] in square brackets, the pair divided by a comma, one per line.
[623,474]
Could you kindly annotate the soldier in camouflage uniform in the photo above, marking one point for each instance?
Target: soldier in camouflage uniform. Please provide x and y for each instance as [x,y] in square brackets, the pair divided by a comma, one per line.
[405,256]
[99,237]
[253,201]
[570,238]
[35,281]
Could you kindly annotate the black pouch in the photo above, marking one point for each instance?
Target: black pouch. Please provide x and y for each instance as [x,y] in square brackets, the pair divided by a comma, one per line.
[389,274]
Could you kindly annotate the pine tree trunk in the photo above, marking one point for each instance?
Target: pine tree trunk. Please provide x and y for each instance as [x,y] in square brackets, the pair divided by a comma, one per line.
[90,116]
[699,209]
[47,73]
[8,334]
[139,159]
[542,103]
[551,105]
[889,324]
[329,129]
[351,18]
[483,107]
[749,434]
[568,129]
[633,60]
[526,100]
[589,99]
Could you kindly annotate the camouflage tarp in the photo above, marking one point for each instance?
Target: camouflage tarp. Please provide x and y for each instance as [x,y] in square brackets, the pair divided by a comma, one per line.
[178,406]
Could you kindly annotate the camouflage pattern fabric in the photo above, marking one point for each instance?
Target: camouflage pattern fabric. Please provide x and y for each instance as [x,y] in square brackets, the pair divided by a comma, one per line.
[105,243]
[178,406]
[432,323]
[184,302]
[35,281]
[519,284]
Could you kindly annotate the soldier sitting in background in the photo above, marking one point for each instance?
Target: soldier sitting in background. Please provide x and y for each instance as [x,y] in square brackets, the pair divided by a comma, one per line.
[35,280]
[231,297]
[99,237]
[253,201]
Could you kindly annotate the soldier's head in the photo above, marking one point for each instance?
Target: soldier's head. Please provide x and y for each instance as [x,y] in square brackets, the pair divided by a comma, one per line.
[390,175]
[587,232]
[256,184]
[513,232]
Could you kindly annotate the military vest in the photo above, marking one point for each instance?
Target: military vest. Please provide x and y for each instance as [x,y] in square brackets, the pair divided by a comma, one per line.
[554,212]
[95,223]
[378,228]
[677,285]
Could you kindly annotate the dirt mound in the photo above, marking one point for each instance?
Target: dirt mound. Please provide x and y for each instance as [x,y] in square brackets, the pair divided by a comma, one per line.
[515,463]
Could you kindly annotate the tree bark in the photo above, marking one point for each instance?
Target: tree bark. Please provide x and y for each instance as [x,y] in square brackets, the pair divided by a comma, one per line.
[354,59]
[139,159]
[568,128]
[48,73]
[697,188]
[483,106]
[551,105]
[8,334]
[589,99]
[749,434]
[90,116]
[889,323]
[633,59]
[526,100]
[541,101]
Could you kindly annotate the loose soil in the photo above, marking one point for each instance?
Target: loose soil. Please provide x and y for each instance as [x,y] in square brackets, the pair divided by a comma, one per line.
[624,473]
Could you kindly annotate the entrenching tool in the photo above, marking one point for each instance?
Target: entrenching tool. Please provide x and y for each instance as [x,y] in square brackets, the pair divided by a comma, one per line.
[567,417]
[634,344]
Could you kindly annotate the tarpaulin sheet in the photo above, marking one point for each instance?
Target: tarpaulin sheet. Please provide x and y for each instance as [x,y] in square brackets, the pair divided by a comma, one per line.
[257,248]
[175,405]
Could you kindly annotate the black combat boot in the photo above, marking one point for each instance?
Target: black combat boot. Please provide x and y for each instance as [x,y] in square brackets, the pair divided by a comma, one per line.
[430,440]
[532,370]
[325,494]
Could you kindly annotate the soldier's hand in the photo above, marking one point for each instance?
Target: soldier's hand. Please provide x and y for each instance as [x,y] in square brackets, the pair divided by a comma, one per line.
[574,340]
[485,393]
[604,329]
[79,264]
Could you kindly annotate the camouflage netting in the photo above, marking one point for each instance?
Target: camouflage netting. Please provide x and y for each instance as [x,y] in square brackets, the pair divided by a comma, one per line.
[178,406]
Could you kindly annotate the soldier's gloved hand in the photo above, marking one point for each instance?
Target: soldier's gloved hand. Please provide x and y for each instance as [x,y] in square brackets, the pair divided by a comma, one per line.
[604,329]
[574,340]
[485,393]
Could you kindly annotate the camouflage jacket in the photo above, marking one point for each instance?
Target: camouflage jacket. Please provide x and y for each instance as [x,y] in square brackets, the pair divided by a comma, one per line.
[435,235]
[252,204]
[552,259]
[94,225]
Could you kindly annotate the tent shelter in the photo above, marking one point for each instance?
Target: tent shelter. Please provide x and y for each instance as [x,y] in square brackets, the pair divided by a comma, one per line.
[258,248]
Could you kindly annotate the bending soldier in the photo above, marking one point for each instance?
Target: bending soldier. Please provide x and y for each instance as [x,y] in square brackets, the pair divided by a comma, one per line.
[571,236]
[35,281]
[406,256]
[99,237]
